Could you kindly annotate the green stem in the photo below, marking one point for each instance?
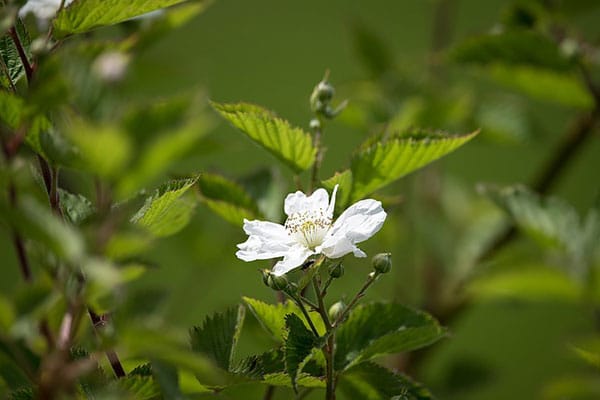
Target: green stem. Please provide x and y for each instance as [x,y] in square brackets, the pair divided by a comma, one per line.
[329,350]
[318,159]
[305,313]
[372,278]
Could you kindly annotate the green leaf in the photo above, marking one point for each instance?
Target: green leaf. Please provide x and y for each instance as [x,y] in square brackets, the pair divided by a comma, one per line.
[11,109]
[104,150]
[579,387]
[11,67]
[517,47]
[529,283]
[291,145]
[75,207]
[379,163]
[272,316]
[344,180]
[167,379]
[373,52]
[377,329]
[227,199]
[546,85]
[167,211]
[549,220]
[139,387]
[83,15]
[369,381]
[302,380]
[298,346]
[218,336]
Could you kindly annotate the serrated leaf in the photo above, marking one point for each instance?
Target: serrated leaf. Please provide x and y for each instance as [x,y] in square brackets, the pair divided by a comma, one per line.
[140,387]
[369,381]
[227,199]
[272,316]
[381,162]
[218,336]
[377,329]
[293,146]
[546,85]
[298,346]
[302,380]
[167,211]
[12,68]
[75,207]
[519,47]
[84,15]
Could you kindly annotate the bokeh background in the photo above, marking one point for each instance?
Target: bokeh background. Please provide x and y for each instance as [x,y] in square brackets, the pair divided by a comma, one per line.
[501,345]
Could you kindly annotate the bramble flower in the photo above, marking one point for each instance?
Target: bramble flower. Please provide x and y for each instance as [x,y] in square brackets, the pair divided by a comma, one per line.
[310,229]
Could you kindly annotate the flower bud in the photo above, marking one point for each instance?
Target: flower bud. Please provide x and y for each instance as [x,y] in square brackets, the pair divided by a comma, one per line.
[277,282]
[265,276]
[315,124]
[336,310]
[336,271]
[382,262]
[321,96]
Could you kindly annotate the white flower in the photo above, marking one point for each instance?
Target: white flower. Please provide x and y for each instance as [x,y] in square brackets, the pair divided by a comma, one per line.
[43,10]
[310,229]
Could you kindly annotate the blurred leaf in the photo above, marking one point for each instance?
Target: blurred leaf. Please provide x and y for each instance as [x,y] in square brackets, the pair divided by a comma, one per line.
[297,347]
[379,163]
[7,314]
[561,88]
[549,220]
[537,283]
[161,153]
[272,316]
[54,147]
[37,222]
[344,179]
[75,207]
[84,15]
[377,329]
[167,379]
[105,150]
[227,199]
[22,394]
[174,18]
[373,53]
[268,188]
[584,387]
[291,145]
[518,47]
[11,109]
[218,336]
[166,212]
[369,381]
[504,119]
[11,67]
[123,245]
[160,344]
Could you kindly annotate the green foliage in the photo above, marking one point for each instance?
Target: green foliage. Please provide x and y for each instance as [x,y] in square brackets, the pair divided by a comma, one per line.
[291,145]
[227,199]
[218,336]
[75,207]
[12,66]
[139,387]
[84,15]
[272,317]
[298,346]
[369,381]
[378,163]
[378,329]
[167,211]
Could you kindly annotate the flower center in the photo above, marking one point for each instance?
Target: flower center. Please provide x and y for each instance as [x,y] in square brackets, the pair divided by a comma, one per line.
[308,227]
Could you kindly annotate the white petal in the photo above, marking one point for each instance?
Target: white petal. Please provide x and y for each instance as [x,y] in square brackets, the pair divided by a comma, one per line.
[293,259]
[358,223]
[331,207]
[299,202]
[266,240]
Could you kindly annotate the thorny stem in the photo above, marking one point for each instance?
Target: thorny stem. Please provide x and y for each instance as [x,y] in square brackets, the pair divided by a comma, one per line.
[329,350]
[113,358]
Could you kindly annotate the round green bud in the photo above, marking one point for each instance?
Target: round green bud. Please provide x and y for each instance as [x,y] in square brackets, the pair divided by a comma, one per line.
[336,310]
[382,262]
[277,282]
[315,124]
[265,276]
[336,271]
[324,91]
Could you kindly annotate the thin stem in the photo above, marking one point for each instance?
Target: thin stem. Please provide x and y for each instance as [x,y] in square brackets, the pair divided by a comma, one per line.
[326,286]
[22,257]
[298,182]
[314,181]
[329,351]
[53,194]
[306,314]
[321,309]
[309,302]
[269,393]
[372,278]
[112,356]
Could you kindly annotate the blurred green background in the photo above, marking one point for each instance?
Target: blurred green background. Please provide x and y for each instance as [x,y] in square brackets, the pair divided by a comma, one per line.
[272,53]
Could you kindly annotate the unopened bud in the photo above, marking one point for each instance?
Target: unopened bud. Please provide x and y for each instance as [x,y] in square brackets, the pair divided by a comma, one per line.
[111,66]
[382,262]
[336,271]
[336,310]
[321,96]
[276,282]
[315,124]
[265,276]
